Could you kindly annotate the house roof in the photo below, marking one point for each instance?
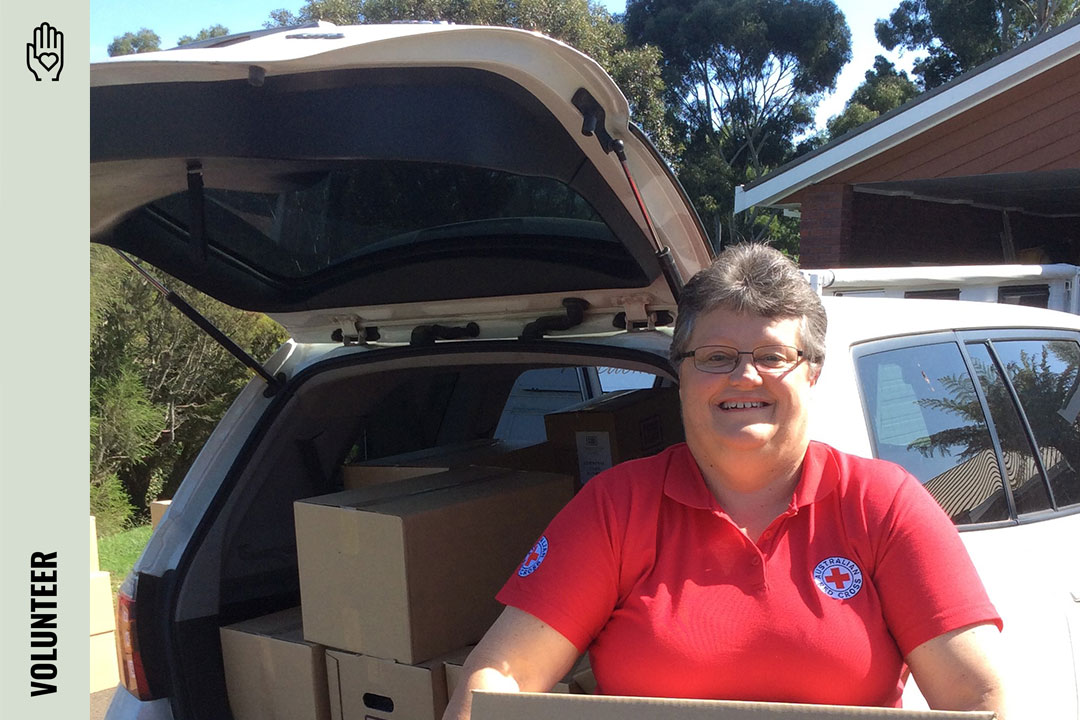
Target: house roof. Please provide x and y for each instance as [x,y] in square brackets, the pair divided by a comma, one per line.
[926,112]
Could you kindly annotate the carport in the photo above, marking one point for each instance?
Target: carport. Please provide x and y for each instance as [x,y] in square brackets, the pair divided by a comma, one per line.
[984,169]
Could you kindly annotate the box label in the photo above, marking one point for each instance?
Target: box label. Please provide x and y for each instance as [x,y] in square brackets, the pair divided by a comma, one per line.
[594,454]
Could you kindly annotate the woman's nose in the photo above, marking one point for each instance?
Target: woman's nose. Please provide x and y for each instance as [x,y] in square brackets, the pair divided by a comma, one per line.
[745,371]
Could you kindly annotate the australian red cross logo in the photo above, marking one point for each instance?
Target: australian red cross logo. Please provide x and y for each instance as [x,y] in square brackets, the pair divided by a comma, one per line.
[534,558]
[838,578]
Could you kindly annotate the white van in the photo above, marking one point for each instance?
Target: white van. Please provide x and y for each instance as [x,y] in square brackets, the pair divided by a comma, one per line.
[1053,286]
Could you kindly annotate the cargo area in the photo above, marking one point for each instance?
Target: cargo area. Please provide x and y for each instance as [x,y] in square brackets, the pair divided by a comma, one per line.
[355,558]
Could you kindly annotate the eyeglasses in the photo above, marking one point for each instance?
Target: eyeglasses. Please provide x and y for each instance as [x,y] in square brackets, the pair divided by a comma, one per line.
[721,359]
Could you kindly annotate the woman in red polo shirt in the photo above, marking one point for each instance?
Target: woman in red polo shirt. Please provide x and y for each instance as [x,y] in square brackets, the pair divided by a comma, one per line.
[749,563]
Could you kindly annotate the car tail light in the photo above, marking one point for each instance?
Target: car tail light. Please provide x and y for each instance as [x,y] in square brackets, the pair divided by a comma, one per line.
[132,674]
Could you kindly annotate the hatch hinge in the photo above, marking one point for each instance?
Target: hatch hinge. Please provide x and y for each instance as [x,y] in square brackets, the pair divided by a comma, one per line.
[351,330]
[636,316]
[575,315]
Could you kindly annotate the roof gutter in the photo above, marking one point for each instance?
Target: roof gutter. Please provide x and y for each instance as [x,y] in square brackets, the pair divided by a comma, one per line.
[923,114]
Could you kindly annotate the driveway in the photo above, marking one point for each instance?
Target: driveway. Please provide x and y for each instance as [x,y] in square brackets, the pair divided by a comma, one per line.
[99,703]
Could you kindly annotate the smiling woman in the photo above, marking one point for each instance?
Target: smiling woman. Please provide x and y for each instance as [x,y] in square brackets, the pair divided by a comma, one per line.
[729,566]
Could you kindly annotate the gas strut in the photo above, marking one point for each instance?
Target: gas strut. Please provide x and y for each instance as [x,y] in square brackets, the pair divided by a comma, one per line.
[273,383]
[593,119]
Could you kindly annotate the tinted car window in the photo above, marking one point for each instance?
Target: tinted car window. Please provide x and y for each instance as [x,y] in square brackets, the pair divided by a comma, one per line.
[924,413]
[1044,375]
[380,209]
[615,379]
[1025,479]
[536,393]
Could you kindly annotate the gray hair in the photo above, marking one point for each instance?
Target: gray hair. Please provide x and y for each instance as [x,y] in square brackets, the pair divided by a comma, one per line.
[754,279]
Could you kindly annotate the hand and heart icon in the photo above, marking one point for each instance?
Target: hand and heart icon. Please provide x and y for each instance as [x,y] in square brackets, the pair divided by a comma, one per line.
[45,56]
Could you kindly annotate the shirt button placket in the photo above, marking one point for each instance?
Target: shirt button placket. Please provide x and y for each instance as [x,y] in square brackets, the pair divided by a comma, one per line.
[758,567]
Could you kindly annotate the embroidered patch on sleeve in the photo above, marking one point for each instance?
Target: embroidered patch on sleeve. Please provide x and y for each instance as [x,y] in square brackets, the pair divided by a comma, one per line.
[534,558]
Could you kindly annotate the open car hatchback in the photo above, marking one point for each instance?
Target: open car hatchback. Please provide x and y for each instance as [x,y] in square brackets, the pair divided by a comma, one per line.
[447,221]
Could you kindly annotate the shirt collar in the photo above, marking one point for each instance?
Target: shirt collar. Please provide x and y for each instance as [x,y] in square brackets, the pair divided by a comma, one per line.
[684,482]
[820,474]
[686,485]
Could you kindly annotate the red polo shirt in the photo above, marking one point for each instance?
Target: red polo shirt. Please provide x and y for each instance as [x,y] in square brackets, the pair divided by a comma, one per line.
[672,599]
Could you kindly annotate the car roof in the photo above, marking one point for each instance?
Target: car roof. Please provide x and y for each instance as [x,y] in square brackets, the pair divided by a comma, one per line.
[861,319]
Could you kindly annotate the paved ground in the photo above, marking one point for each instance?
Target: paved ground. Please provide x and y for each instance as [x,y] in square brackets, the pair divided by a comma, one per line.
[99,703]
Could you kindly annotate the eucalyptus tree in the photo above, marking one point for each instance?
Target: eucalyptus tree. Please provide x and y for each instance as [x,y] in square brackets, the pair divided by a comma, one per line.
[883,89]
[958,35]
[130,43]
[743,78]
[205,34]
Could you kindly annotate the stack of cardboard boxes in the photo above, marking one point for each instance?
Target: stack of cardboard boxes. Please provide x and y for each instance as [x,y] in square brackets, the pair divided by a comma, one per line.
[104,666]
[398,572]
[396,577]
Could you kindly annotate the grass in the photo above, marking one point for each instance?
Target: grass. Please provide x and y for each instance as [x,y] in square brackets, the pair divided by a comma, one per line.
[117,553]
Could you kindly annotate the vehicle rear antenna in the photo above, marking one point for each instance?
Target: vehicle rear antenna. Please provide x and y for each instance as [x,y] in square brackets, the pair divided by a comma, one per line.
[273,383]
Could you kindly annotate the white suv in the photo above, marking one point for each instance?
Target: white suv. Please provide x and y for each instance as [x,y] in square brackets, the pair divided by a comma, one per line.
[446,220]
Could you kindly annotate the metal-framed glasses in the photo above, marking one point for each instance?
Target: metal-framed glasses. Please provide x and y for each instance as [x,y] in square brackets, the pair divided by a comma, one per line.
[722,359]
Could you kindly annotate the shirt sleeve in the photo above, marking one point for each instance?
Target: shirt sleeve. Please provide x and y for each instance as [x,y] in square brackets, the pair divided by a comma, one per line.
[924,575]
[569,579]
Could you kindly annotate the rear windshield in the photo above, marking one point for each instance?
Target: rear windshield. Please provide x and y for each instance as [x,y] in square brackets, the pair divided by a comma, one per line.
[308,222]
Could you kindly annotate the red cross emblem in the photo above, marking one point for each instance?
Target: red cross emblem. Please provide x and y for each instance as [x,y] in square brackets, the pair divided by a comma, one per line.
[534,558]
[838,577]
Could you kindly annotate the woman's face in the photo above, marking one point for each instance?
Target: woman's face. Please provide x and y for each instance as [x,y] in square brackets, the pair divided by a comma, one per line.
[745,410]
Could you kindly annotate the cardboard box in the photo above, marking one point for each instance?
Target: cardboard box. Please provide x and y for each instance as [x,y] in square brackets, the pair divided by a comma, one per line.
[271,672]
[455,455]
[94,566]
[452,664]
[104,662]
[157,511]
[544,706]
[408,570]
[616,427]
[102,615]
[360,476]
[366,688]
[578,680]
[544,457]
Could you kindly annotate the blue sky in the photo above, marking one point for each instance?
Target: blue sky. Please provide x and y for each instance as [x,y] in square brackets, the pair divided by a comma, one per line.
[171,19]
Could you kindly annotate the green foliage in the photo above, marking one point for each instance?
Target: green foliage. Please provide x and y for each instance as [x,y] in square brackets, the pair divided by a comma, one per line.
[746,72]
[743,78]
[109,504]
[131,43]
[958,35]
[158,384]
[124,423]
[883,89]
[205,34]
[117,552]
